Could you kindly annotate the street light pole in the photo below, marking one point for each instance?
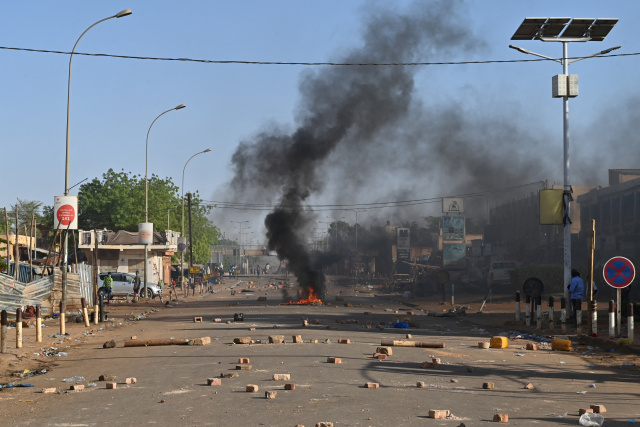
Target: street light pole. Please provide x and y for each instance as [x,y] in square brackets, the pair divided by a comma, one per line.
[120,14]
[182,253]
[578,30]
[146,194]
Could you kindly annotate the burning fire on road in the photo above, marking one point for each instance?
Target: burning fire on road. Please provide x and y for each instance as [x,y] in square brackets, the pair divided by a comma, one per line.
[311,298]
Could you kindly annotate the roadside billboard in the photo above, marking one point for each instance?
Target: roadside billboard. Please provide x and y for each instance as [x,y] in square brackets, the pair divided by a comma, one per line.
[65,212]
[404,243]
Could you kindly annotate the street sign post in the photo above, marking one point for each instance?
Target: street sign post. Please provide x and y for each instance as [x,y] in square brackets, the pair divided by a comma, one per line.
[619,272]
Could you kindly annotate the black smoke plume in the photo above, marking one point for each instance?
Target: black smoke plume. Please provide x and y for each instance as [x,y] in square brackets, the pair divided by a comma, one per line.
[343,106]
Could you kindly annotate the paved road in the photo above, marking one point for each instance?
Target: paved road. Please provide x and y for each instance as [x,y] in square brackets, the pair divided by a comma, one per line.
[172,388]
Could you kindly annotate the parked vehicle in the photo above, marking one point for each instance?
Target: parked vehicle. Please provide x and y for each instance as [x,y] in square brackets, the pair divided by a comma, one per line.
[123,285]
[499,272]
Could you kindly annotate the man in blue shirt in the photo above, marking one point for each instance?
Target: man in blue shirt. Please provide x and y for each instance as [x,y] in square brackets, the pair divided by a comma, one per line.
[576,289]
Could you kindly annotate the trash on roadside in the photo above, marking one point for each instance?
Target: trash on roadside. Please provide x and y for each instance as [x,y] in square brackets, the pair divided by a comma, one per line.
[590,419]
[73,379]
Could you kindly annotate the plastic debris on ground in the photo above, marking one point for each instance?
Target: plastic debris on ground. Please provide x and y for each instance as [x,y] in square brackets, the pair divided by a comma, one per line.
[591,420]
[73,379]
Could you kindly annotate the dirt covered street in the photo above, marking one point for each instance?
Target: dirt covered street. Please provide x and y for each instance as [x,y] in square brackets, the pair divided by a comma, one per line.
[331,367]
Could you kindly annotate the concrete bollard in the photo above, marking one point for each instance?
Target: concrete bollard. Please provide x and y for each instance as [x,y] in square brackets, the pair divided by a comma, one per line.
[630,322]
[563,315]
[3,332]
[527,311]
[38,323]
[594,318]
[517,306]
[551,315]
[63,318]
[538,312]
[612,319]
[85,312]
[19,328]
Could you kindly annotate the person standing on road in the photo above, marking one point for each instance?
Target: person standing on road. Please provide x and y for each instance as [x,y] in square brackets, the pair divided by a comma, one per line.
[576,289]
[108,286]
[136,287]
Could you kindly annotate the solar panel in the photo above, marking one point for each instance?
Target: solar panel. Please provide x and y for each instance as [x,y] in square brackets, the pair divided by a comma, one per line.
[554,26]
[601,28]
[529,29]
[577,28]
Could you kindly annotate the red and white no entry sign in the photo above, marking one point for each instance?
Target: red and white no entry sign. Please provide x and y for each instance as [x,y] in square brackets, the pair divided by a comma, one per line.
[619,272]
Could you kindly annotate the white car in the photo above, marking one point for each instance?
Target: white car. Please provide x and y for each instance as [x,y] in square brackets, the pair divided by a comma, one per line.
[123,285]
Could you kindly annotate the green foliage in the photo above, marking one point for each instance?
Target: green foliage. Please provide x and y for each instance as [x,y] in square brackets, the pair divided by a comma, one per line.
[117,202]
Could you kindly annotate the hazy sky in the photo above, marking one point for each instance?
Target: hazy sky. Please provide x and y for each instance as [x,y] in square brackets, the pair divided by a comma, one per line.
[464,128]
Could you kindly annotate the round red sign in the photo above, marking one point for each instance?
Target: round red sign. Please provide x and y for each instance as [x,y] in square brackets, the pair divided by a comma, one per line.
[619,272]
[66,214]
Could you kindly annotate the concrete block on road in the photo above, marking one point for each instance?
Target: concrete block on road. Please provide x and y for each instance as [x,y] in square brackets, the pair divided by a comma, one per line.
[344,341]
[289,386]
[131,380]
[598,409]
[242,340]
[112,386]
[297,339]
[324,424]
[214,382]
[501,418]
[585,411]
[281,377]
[107,378]
[532,346]
[244,360]
[197,320]
[49,390]
[272,394]
[243,367]
[421,384]
[334,360]
[252,388]
[77,387]
[372,385]
[276,339]
[439,413]
[488,386]
[385,350]
[200,341]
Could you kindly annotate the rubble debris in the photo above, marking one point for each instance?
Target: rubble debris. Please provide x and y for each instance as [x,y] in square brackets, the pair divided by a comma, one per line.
[501,418]
[242,340]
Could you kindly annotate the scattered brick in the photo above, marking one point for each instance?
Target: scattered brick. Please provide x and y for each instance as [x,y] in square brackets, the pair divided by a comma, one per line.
[131,380]
[77,387]
[276,339]
[270,394]
[107,378]
[372,385]
[584,411]
[483,344]
[297,339]
[421,384]
[289,386]
[242,340]
[244,360]
[409,336]
[243,367]
[324,424]
[488,386]
[251,388]
[598,409]
[112,386]
[344,342]
[109,344]
[529,386]
[453,380]
[334,360]
[49,390]
[230,375]
[214,382]
[438,413]
[200,341]
[281,377]
[436,360]
[262,298]
[380,356]
[133,337]
[313,341]
[217,320]
[501,418]
[305,323]
[197,320]
[532,346]
[429,365]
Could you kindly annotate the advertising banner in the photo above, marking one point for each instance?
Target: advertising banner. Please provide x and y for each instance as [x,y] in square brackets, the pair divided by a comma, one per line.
[453,256]
[453,228]
[145,233]
[65,212]
[404,243]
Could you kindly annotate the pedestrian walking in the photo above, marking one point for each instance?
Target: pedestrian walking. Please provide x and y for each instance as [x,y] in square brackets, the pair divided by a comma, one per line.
[137,284]
[576,289]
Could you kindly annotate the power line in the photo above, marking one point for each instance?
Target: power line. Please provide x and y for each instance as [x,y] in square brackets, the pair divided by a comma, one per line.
[350,64]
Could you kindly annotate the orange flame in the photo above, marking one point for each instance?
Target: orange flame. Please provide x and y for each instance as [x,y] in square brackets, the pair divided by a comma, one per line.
[311,299]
